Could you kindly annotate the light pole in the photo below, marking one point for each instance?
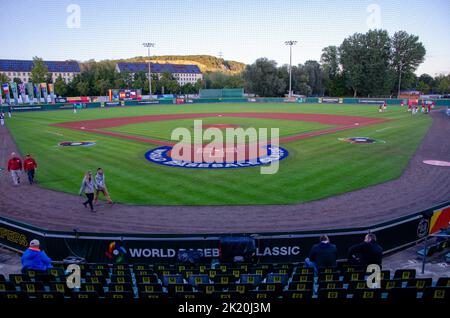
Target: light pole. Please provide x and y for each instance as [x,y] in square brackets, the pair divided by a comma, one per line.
[290,43]
[399,79]
[148,45]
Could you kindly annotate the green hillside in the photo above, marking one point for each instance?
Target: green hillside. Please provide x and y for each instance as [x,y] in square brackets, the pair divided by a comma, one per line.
[206,63]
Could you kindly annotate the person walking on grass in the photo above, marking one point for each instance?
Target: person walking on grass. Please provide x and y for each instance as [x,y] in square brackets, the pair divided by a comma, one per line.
[2,119]
[88,187]
[100,186]
[15,167]
[29,165]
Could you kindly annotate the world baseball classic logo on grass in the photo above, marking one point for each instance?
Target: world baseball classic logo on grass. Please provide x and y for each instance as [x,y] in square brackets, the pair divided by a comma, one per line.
[221,146]
[162,156]
[361,140]
[76,143]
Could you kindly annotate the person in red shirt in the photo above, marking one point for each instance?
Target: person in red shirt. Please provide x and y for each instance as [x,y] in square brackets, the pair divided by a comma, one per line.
[15,167]
[29,165]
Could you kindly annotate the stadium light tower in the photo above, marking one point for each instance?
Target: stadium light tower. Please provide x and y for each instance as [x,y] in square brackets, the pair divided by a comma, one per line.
[399,78]
[290,43]
[148,45]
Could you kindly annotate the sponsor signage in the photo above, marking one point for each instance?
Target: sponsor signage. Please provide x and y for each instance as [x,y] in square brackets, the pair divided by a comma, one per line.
[66,106]
[370,101]
[328,100]
[60,100]
[111,104]
[148,102]
[24,108]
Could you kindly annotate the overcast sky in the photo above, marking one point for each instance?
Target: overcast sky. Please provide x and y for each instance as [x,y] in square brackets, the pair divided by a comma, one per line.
[242,30]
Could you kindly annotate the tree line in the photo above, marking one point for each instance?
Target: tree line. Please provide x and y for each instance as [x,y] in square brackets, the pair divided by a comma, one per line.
[372,64]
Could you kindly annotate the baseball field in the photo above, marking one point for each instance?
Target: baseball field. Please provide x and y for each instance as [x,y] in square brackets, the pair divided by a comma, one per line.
[319,164]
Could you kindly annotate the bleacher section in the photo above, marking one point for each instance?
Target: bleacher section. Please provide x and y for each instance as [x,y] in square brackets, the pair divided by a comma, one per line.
[250,282]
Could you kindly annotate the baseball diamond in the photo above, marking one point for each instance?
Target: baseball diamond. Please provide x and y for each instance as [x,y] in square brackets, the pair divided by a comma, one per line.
[317,167]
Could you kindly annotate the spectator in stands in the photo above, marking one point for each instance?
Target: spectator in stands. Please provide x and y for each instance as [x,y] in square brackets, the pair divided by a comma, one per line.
[367,252]
[29,165]
[34,258]
[15,167]
[88,187]
[323,254]
[100,186]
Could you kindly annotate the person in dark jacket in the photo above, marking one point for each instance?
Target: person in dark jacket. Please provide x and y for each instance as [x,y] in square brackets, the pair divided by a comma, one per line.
[30,166]
[367,252]
[323,254]
[36,259]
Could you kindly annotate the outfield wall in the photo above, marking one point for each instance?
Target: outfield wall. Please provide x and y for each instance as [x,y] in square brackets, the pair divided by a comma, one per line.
[271,247]
[312,100]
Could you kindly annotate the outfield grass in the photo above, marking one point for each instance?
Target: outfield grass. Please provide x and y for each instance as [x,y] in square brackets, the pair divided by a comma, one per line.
[317,167]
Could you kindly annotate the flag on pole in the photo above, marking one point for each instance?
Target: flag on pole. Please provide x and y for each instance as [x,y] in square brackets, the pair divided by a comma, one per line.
[51,91]
[30,90]
[22,92]
[15,92]
[37,92]
[44,91]
[5,87]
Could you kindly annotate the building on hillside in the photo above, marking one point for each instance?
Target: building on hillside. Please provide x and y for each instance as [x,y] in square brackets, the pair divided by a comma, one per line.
[22,69]
[183,73]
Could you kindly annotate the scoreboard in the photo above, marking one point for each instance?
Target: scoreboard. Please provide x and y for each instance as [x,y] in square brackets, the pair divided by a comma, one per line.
[124,94]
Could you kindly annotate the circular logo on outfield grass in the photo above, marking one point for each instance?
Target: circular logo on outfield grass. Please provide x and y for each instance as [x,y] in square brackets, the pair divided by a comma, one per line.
[162,156]
[361,140]
[76,143]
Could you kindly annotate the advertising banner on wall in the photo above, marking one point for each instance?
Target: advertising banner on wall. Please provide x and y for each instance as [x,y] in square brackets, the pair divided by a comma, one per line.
[276,247]
[30,91]
[14,92]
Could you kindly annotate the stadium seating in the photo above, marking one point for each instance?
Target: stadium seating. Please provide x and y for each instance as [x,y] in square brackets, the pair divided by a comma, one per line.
[259,282]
